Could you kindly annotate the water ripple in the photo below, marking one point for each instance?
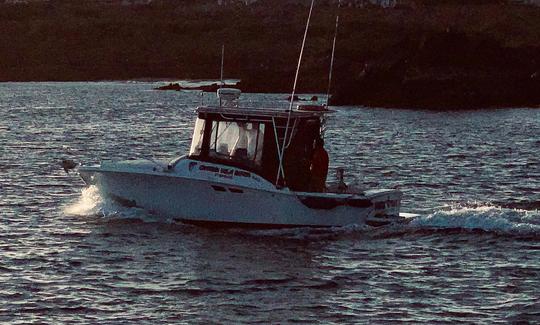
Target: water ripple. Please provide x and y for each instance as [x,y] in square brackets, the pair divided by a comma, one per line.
[69,256]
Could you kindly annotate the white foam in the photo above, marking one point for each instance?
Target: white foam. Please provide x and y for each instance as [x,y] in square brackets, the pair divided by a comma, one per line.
[92,203]
[486,218]
[89,203]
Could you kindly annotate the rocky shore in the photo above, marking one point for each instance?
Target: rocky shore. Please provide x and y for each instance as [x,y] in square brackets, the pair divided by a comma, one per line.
[433,54]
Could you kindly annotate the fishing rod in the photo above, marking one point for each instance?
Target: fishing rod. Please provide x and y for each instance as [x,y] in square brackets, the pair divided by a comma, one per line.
[323,124]
[333,54]
[282,151]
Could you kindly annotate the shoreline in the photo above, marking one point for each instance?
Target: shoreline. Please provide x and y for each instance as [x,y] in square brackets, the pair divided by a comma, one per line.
[429,56]
[155,81]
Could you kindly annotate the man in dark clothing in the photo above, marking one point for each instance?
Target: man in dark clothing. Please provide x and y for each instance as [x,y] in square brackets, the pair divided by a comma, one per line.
[319,167]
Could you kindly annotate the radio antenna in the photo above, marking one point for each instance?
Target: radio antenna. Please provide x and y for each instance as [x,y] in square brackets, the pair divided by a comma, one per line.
[222,59]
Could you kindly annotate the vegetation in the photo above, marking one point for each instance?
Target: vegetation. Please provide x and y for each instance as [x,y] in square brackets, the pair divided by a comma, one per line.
[441,54]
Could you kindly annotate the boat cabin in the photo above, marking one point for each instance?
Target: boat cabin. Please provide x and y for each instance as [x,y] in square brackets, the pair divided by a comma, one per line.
[252,138]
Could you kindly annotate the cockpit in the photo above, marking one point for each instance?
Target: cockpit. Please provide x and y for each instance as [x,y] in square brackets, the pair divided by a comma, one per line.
[250,139]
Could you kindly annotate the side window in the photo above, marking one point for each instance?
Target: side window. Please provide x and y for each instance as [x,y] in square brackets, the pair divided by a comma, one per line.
[197,140]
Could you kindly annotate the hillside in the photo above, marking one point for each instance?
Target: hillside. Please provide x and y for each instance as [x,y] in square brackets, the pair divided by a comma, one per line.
[440,54]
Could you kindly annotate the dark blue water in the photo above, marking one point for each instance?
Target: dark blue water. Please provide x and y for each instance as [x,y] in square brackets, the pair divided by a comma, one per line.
[69,256]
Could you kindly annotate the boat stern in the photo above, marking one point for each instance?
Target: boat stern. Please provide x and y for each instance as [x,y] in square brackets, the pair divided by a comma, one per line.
[386,202]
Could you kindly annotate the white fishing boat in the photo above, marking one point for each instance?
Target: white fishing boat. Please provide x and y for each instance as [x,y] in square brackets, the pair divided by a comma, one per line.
[246,166]
[257,167]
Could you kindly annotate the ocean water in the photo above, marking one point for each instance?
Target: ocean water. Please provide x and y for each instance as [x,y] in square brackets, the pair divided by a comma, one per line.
[68,255]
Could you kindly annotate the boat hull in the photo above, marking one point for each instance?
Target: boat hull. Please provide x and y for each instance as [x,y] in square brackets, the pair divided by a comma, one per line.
[219,203]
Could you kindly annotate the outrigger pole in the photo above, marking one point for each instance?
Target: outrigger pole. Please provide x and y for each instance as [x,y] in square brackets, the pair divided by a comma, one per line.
[282,151]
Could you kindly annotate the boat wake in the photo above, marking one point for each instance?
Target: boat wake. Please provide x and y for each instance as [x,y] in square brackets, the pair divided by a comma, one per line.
[461,218]
[487,218]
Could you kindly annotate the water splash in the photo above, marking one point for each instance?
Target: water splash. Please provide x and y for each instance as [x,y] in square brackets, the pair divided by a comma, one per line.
[482,217]
[89,203]
[92,203]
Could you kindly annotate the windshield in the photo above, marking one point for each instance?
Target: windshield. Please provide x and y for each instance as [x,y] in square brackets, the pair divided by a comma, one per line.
[237,141]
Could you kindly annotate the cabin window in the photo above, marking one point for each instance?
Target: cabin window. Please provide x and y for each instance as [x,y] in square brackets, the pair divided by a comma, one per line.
[197,140]
[240,142]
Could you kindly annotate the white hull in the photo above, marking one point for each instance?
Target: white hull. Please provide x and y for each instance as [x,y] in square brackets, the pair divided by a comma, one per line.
[202,192]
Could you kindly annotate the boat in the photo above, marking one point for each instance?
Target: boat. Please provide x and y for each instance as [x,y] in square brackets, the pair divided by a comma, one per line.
[246,167]
[255,167]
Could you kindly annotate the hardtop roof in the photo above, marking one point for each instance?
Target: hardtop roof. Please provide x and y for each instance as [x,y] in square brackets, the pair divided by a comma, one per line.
[262,112]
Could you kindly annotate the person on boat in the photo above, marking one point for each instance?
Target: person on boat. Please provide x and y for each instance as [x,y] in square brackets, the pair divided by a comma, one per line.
[319,166]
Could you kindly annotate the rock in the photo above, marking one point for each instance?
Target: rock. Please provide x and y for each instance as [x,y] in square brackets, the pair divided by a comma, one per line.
[68,164]
[170,86]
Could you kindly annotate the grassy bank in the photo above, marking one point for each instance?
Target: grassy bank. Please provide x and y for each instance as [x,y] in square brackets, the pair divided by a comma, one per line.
[431,54]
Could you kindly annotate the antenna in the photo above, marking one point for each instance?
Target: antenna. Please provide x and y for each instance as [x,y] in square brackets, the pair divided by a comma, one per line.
[222,59]
[221,74]
[282,150]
